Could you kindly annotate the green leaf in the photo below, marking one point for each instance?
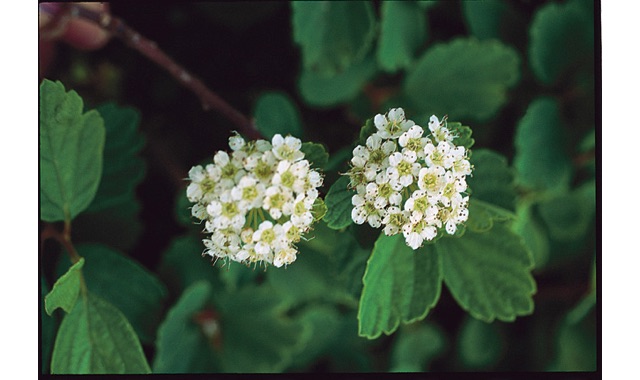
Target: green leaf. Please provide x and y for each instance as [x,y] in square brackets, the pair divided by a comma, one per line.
[181,346]
[400,285]
[259,337]
[463,78]
[462,133]
[488,273]
[576,345]
[66,290]
[71,145]
[276,113]
[568,216]
[47,328]
[328,91]
[368,129]
[323,323]
[480,344]
[182,263]
[338,201]
[315,153]
[128,286]
[332,35]
[403,30]
[492,180]
[561,39]
[484,18]
[540,160]
[415,347]
[533,235]
[482,215]
[314,275]
[123,168]
[95,338]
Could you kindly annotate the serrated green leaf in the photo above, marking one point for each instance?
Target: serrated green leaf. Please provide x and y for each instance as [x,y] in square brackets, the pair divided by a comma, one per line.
[561,39]
[328,91]
[484,18]
[400,286]
[125,284]
[262,340]
[95,338]
[315,153]
[332,35]
[479,344]
[462,133]
[276,113]
[123,169]
[66,290]
[568,216]
[489,273]
[540,160]
[181,346]
[492,180]
[483,215]
[338,201]
[415,347]
[71,145]
[403,30]
[463,78]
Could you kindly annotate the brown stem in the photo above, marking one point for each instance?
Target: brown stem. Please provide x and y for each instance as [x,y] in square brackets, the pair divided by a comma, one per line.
[63,238]
[149,49]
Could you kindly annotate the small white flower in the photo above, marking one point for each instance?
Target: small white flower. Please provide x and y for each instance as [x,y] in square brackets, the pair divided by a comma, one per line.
[394,220]
[432,180]
[248,193]
[276,199]
[413,141]
[287,148]
[393,125]
[403,168]
[365,210]
[439,130]
[236,142]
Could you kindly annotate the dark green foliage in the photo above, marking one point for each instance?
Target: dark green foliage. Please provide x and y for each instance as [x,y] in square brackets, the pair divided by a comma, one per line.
[516,81]
[71,144]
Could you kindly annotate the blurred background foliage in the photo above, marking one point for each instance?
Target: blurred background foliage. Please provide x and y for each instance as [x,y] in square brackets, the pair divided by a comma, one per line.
[521,73]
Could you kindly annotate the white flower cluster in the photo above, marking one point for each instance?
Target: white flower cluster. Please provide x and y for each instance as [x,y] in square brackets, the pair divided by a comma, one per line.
[257,201]
[408,182]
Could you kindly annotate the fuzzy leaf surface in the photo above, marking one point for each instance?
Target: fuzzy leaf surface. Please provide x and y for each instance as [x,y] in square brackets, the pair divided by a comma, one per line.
[125,284]
[123,169]
[561,38]
[493,180]
[339,206]
[403,30]
[463,78]
[276,113]
[95,338]
[71,147]
[400,286]
[541,161]
[333,35]
[488,273]
[327,91]
[66,290]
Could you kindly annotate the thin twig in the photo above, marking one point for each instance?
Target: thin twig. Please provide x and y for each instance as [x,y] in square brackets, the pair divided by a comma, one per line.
[63,238]
[149,49]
